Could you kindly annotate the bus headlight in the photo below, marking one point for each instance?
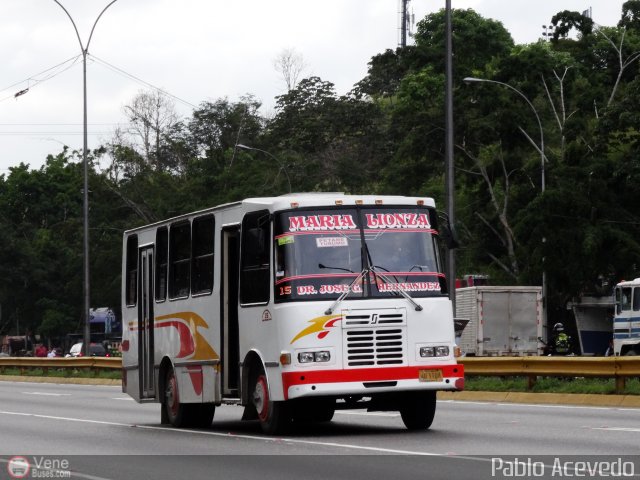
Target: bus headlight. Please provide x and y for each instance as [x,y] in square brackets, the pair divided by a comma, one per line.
[426,351]
[442,351]
[323,356]
[305,357]
[438,351]
[311,357]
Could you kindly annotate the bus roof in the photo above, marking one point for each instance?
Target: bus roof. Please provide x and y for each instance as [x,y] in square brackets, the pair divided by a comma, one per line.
[304,200]
[326,199]
[629,283]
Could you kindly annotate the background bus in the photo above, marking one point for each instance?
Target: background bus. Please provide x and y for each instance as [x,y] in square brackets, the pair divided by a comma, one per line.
[626,321]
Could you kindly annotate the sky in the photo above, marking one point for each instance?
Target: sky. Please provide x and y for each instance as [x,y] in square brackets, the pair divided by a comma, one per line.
[196,51]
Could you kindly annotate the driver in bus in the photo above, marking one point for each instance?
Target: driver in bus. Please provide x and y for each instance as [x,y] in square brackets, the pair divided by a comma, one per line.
[394,253]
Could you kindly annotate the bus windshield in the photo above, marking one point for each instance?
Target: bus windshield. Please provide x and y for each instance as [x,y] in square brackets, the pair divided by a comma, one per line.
[320,253]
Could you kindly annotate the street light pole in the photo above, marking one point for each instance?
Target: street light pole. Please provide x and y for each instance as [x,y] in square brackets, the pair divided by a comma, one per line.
[449,170]
[540,149]
[85,191]
[535,112]
[280,164]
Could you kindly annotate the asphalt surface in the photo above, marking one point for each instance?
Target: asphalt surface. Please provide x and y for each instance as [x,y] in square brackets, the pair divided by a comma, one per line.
[102,433]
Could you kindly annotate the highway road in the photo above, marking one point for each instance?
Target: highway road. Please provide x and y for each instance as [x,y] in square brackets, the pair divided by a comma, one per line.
[103,434]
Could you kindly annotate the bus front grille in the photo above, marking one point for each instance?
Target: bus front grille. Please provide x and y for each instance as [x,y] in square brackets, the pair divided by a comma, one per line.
[358,319]
[375,347]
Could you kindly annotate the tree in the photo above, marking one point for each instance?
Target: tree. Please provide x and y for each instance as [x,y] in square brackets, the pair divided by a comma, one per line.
[290,64]
[385,73]
[566,21]
[337,140]
[476,41]
[152,118]
[630,15]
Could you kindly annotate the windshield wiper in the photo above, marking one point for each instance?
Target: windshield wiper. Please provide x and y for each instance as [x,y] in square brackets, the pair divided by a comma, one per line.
[400,290]
[421,267]
[320,265]
[372,269]
[339,300]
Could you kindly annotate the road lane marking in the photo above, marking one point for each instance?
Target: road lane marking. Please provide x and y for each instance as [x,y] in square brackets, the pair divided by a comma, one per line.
[370,414]
[235,436]
[66,419]
[617,429]
[48,394]
[122,398]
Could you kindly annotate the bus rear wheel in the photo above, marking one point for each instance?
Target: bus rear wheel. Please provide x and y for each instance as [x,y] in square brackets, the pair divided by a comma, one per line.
[273,416]
[418,409]
[184,415]
[175,412]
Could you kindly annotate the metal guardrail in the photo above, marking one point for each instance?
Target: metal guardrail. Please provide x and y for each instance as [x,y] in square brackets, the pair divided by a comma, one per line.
[94,364]
[618,368]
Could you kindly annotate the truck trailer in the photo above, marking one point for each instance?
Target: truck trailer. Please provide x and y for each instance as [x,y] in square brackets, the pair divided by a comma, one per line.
[502,320]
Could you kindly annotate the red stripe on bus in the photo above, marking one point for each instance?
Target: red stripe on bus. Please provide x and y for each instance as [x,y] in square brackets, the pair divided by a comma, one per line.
[309,377]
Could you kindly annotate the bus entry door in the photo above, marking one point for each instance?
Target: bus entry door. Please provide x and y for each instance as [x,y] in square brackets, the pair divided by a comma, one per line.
[145,324]
[229,314]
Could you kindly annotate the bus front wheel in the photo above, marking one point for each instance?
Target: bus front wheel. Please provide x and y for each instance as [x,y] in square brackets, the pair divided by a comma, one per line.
[418,409]
[274,416]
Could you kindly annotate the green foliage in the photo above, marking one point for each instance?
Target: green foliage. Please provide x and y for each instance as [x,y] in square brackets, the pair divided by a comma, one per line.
[578,94]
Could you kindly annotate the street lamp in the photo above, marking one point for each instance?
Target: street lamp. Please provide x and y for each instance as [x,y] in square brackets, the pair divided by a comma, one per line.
[540,149]
[85,192]
[449,164]
[280,164]
[470,80]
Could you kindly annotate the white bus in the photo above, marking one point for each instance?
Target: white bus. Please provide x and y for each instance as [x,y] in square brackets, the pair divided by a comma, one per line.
[293,307]
[626,321]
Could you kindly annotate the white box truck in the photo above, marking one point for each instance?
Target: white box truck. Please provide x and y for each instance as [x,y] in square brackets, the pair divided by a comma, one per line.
[502,320]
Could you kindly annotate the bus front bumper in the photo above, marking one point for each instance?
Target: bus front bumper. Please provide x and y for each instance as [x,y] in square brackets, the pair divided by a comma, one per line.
[368,381]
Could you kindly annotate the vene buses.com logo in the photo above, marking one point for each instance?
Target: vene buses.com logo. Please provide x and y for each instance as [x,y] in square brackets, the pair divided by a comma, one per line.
[18,467]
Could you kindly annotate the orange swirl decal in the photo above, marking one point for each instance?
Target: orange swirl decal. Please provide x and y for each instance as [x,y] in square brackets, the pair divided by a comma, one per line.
[319,325]
[193,345]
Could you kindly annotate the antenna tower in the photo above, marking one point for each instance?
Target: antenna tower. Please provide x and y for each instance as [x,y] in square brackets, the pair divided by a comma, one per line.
[405,21]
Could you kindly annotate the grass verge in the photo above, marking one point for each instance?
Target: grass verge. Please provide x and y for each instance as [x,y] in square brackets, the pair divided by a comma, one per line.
[603,386]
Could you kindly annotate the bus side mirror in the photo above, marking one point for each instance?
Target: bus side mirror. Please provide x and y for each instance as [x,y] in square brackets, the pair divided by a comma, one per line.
[449,234]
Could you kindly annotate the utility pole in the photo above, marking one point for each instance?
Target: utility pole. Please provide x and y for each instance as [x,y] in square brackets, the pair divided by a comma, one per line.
[449,170]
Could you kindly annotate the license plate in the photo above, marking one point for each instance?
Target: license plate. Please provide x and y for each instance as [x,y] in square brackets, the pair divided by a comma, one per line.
[432,375]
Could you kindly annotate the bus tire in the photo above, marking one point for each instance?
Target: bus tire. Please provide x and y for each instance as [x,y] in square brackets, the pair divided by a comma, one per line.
[418,409]
[325,413]
[313,411]
[630,353]
[201,414]
[175,412]
[274,417]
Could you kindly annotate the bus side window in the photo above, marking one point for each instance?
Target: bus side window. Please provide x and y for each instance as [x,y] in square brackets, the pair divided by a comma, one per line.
[636,299]
[255,258]
[202,253]
[131,289]
[162,263]
[626,298]
[179,259]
